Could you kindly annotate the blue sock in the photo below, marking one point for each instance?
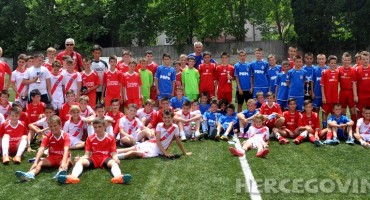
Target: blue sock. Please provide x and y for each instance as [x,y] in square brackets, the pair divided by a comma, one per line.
[324,124]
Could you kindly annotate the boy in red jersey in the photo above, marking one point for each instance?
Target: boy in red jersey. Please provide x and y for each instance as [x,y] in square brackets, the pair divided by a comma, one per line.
[112,83]
[293,127]
[165,104]
[43,123]
[123,65]
[152,66]
[57,88]
[74,127]
[132,86]
[329,87]
[90,82]
[311,123]
[21,90]
[34,110]
[72,79]
[100,152]
[207,72]
[14,137]
[358,60]
[58,142]
[165,133]
[348,87]
[271,110]
[115,114]
[224,77]
[99,113]
[64,110]
[5,105]
[363,81]
[178,70]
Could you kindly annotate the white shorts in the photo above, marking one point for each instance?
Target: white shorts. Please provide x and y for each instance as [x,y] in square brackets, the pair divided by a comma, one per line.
[74,141]
[255,141]
[56,105]
[149,149]
[365,137]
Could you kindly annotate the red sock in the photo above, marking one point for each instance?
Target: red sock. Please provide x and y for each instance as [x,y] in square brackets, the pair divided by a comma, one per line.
[300,138]
[312,138]
[329,135]
[354,119]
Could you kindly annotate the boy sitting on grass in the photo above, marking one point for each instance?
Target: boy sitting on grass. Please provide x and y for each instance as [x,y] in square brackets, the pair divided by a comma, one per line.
[339,126]
[363,128]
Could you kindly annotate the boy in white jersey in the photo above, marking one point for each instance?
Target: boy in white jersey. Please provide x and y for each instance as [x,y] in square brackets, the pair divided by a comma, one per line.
[147,113]
[72,79]
[99,113]
[43,122]
[74,127]
[165,133]
[362,134]
[57,88]
[258,139]
[86,110]
[99,66]
[188,122]
[20,89]
[131,129]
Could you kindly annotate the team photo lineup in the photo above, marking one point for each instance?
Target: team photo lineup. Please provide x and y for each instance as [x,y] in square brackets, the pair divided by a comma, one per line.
[136,108]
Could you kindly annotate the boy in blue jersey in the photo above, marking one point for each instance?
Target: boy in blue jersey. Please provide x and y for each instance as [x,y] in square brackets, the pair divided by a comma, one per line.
[281,87]
[309,68]
[204,105]
[259,73]
[244,84]
[295,81]
[177,101]
[339,126]
[316,77]
[245,118]
[209,123]
[226,124]
[273,71]
[165,78]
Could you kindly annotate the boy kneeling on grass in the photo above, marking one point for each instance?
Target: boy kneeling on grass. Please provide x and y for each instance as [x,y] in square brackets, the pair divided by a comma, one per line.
[100,151]
[58,143]
[258,139]
[165,132]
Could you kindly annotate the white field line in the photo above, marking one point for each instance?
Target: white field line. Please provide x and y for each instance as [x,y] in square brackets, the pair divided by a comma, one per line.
[249,178]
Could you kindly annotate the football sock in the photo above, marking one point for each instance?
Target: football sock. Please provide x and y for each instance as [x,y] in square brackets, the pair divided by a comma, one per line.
[5,145]
[182,133]
[109,130]
[116,171]
[90,130]
[242,130]
[362,142]
[278,136]
[329,135]
[324,124]
[303,134]
[77,170]
[312,138]
[121,156]
[22,146]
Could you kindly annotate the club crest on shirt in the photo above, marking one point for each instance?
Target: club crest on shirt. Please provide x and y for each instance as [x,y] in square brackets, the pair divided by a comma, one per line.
[301,77]
[169,74]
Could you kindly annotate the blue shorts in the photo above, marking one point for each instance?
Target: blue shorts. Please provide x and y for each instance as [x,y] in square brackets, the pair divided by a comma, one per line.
[264,90]
[299,101]
[341,134]
[283,104]
[317,102]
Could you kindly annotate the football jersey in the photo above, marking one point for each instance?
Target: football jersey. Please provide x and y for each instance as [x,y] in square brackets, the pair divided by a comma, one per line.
[260,74]
[152,67]
[132,86]
[166,76]
[43,122]
[224,85]
[90,80]
[64,111]
[296,79]
[146,77]
[34,111]
[15,132]
[190,79]
[177,103]
[243,72]
[70,80]
[48,66]
[17,78]
[225,120]
[292,120]
[75,130]
[267,110]
[364,128]
[347,76]
[166,134]
[204,107]
[87,112]
[57,87]
[363,81]
[281,82]
[272,74]
[185,116]
[5,110]
[2,120]
[4,69]
[178,82]
[33,72]
[342,119]
[56,145]
[148,115]
[313,121]
[316,77]
[130,126]
[158,117]
[122,67]
[101,147]
[112,81]
[199,59]
[211,118]
[115,118]
[99,67]
[261,132]
[207,74]
[247,113]
[330,81]
[309,72]
[75,56]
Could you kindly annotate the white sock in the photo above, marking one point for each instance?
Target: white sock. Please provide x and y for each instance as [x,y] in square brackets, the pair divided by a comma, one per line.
[5,146]
[90,130]
[242,130]
[242,150]
[182,133]
[121,156]
[22,146]
[77,170]
[116,171]
[277,135]
[197,134]
[362,142]
[226,133]
[304,134]
[109,130]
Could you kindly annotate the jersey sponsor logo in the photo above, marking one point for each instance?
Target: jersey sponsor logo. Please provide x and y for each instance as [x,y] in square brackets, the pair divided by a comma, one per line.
[243,74]
[99,69]
[273,77]
[259,71]
[318,78]
[111,83]
[132,85]
[89,84]
[165,77]
[283,84]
